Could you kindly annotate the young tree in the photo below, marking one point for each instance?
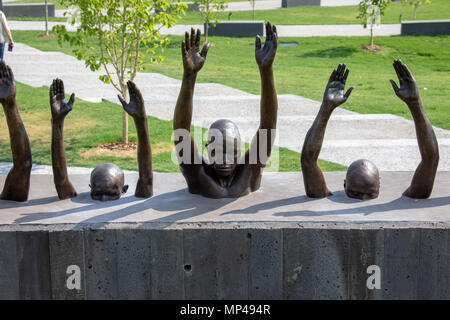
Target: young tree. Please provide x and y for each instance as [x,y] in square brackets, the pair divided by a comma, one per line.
[370,12]
[210,10]
[415,4]
[253,3]
[117,35]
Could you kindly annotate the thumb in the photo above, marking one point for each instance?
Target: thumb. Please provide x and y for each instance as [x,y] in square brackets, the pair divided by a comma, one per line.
[347,94]
[122,101]
[394,86]
[71,100]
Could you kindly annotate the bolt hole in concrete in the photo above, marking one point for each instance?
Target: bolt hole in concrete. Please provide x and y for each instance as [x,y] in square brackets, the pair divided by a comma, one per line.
[187,267]
[249,235]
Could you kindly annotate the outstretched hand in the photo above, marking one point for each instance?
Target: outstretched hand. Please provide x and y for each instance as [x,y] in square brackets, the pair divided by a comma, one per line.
[58,103]
[266,54]
[7,85]
[408,90]
[334,93]
[193,60]
[136,107]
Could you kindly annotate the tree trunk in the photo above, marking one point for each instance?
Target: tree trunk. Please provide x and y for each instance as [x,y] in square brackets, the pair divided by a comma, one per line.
[371,35]
[415,9]
[206,31]
[253,5]
[124,114]
[46,17]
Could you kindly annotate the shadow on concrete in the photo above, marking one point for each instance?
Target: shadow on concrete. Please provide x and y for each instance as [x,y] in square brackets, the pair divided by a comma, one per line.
[181,202]
[29,203]
[402,203]
[270,205]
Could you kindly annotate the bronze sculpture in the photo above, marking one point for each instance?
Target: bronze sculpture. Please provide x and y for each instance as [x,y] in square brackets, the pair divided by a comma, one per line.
[226,175]
[423,179]
[136,109]
[362,181]
[107,182]
[60,109]
[17,184]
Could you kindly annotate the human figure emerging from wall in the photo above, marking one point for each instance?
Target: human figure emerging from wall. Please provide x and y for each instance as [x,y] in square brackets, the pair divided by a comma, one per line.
[107,179]
[17,184]
[226,174]
[363,180]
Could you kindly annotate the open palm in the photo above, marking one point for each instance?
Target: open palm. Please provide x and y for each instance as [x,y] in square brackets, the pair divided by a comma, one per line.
[334,93]
[265,55]
[7,85]
[58,100]
[193,59]
[408,90]
[136,107]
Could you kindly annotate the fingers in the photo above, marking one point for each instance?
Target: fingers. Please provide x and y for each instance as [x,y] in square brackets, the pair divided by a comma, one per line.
[52,89]
[349,91]
[183,49]
[10,73]
[258,42]
[197,38]
[192,37]
[134,92]
[269,32]
[205,50]
[345,76]
[3,73]
[397,70]
[71,100]
[187,41]
[275,36]
[394,86]
[333,76]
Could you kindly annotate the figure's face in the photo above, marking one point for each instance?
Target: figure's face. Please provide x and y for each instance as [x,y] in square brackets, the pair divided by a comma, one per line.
[363,180]
[107,182]
[223,147]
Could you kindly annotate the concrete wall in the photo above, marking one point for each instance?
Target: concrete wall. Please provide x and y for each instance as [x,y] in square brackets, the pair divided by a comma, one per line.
[204,262]
[296,3]
[425,27]
[28,10]
[237,28]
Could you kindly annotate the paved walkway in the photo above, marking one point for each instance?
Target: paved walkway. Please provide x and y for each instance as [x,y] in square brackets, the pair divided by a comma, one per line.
[283,30]
[388,140]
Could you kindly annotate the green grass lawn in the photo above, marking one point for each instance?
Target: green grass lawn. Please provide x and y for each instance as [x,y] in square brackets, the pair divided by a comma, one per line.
[85,131]
[305,69]
[438,9]
[57,3]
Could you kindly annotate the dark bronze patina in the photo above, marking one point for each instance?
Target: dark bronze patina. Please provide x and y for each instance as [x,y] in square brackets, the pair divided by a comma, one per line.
[423,180]
[17,184]
[107,182]
[60,109]
[136,109]
[363,180]
[234,176]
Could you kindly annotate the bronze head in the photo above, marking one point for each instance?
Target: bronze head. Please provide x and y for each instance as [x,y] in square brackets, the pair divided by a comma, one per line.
[363,180]
[107,182]
[224,142]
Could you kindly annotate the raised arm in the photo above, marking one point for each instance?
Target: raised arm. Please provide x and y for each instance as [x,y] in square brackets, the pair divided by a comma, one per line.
[423,180]
[60,109]
[265,55]
[17,184]
[136,109]
[193,61]
[333,97]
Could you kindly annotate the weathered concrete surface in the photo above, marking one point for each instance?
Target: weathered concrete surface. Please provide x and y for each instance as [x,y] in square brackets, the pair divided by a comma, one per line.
[236,28]
[425,27]
[28,10]
[272,244]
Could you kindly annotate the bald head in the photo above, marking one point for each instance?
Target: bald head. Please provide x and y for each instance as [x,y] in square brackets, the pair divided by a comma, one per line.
[107,182]
[224,142]
[363,180]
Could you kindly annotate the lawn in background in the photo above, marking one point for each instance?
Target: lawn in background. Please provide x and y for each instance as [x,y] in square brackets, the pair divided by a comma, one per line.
[438,9]
[304,69]
[85,131]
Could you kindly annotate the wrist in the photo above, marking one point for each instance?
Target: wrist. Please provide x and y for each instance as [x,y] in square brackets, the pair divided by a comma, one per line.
[265,69]
[189,75]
